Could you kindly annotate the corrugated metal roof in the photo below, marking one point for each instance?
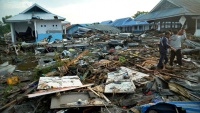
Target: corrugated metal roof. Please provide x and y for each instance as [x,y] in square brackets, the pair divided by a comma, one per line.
[34,6]
[192,6]
[104,28]
[108,22]
[127,22]
[74,25]
[183,7]
[26,15]
[121,21]
[133,22]
[162,14]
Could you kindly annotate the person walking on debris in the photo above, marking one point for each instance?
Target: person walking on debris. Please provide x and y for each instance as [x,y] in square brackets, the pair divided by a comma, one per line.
[175,42]
[163,46]
[49,38]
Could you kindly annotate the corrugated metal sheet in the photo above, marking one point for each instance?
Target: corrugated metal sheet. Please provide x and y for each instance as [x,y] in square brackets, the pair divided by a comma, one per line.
[133,22]
[108,22]
[127,22]
[162,14]
[120,22]
[184,7]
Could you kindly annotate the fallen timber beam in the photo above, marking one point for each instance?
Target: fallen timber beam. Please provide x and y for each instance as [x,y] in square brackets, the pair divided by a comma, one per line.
[64,68]
[146,69]
[51,91]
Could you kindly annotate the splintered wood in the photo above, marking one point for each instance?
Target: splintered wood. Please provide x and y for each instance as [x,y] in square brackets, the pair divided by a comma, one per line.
[64,68]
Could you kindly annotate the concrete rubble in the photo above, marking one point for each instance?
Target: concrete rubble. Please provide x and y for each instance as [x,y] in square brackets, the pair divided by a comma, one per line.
[96,75]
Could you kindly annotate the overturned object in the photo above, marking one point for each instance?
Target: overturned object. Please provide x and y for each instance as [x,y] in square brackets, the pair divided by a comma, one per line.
[76,99]
[58,82]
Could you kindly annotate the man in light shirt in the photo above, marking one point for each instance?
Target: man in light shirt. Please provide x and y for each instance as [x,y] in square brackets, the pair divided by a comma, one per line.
[175,42]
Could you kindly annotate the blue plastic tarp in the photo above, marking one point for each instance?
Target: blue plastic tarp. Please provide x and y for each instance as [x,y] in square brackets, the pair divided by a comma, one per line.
[189,106]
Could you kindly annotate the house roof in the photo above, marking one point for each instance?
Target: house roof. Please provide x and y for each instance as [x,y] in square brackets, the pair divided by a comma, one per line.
[133,22]
[108,22]
[127,22]
[172,8]
[106,28]
[34,12]
[74,25]
[121,21]
[65,22]
[35,8]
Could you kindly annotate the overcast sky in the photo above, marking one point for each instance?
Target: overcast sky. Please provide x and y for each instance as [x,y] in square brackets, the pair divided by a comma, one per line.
[81,11]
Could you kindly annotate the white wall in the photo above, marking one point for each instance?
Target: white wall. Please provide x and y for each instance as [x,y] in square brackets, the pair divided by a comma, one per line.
[44,26]
[146,27]
[197,32]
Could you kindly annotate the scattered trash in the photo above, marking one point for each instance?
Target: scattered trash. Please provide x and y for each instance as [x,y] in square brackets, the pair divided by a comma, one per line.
[97,71]
[12,80]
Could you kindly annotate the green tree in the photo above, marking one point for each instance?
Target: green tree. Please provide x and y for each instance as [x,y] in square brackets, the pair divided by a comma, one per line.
[4,27]
[139,13]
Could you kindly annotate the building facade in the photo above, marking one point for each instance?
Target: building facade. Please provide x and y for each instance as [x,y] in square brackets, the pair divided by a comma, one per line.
[174,15]
[34,24]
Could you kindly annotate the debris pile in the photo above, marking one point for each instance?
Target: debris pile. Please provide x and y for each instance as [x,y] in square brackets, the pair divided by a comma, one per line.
[97,74]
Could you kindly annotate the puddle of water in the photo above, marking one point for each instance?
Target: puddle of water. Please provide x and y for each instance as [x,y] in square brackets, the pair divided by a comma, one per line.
[28,64]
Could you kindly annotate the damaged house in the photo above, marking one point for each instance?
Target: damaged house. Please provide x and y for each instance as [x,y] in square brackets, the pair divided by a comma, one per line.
[175,14]
[108,22]
[129,25]
[34,24]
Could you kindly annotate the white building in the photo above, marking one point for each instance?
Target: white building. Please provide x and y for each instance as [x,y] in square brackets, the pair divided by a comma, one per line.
[34,24]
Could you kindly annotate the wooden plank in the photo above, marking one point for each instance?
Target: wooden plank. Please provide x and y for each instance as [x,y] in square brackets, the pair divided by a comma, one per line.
[100,95]
[146,69]
[51,91]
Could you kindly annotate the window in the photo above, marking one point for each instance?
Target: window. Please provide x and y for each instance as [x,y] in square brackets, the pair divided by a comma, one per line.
[53,25]
[168,24]
[163,25]
[172,24]
[44,25]
[176,24]
[198,23]
[130,29]
[127,29]
[140,27]
[56,25]
[41,25]
[135,27]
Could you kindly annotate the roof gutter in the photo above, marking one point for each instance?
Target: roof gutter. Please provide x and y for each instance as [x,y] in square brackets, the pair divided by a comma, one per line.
[160,17]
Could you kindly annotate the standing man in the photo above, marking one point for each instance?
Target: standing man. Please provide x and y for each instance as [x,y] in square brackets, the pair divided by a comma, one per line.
[163,46]
[175,42]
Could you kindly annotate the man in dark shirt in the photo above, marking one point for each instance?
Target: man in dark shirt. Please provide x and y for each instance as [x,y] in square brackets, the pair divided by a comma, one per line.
[163,46]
